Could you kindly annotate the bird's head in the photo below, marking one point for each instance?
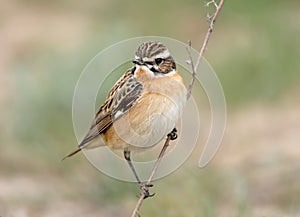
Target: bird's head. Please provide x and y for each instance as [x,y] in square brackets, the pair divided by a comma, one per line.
[156,57]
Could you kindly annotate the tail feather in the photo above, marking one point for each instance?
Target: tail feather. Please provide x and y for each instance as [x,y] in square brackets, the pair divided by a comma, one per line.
[72,153]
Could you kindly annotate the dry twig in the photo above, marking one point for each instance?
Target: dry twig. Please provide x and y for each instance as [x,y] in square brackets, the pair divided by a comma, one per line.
[171,136]
[212,19]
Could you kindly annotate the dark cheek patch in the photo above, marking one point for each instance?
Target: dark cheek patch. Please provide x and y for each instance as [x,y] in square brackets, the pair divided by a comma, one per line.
[153,69]
[166,67]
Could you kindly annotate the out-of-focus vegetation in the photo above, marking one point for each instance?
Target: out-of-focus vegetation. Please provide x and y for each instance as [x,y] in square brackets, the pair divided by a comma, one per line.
[254,50]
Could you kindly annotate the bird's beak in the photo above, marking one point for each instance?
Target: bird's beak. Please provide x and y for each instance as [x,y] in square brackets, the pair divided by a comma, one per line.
[137,61]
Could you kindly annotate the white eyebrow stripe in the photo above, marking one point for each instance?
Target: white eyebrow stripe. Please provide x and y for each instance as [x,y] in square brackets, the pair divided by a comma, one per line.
[146,59]
[163,55]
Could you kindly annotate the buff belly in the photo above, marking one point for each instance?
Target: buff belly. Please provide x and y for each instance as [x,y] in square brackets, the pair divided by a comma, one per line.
[145,125]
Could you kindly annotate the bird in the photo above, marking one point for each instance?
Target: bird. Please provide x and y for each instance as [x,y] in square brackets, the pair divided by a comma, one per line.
[142,107]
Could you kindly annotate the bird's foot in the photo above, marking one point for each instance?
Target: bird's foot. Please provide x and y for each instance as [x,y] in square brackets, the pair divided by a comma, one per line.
[173,134]
[145,190]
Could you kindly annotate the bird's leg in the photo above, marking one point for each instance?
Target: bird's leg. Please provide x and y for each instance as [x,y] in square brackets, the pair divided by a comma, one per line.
[128,159]
[143,187]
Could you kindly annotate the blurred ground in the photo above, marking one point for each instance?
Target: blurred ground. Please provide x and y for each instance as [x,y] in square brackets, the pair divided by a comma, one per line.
[254,50]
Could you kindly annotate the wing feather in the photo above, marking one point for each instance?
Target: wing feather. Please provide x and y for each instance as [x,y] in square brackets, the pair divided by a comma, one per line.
[125,93]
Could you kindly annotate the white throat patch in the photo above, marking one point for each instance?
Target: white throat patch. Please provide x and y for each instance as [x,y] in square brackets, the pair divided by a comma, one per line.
[153,74]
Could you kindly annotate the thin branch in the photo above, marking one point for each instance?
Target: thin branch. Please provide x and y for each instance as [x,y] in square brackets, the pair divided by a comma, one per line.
[143,196]
[171,135]
[190,62]
[212,20]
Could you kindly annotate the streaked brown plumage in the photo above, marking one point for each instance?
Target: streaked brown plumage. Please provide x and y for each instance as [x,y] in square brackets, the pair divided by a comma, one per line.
[142,107]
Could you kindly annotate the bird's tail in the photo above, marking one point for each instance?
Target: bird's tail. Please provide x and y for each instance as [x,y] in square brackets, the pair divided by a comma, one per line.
[78,149]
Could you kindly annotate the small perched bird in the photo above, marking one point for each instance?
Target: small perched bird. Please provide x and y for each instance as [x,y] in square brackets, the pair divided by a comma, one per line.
[142,107]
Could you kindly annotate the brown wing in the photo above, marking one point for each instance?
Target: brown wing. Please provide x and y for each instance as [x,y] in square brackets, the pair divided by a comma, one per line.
[124,94]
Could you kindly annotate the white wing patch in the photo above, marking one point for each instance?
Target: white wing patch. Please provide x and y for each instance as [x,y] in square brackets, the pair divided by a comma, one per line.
[118,114]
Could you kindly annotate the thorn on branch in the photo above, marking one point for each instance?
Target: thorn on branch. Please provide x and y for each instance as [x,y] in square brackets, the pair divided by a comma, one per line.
[209,17]
[207,4]
[188,62]
[215,4]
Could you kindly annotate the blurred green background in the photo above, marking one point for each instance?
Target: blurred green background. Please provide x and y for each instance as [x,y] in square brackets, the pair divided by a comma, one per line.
[255,51]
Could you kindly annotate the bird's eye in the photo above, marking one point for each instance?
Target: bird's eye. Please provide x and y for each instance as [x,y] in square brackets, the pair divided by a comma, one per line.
[158,61]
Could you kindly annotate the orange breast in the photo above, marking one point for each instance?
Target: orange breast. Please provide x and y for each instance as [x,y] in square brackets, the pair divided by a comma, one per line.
[145,124]
[152,117]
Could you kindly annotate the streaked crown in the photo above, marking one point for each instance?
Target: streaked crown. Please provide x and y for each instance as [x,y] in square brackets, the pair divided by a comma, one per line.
[155,56]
